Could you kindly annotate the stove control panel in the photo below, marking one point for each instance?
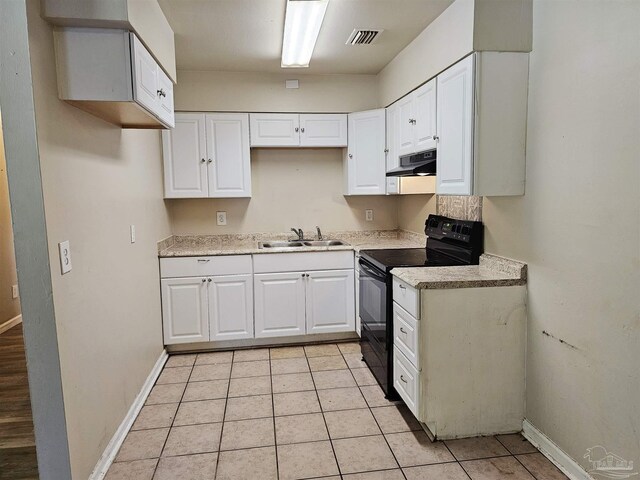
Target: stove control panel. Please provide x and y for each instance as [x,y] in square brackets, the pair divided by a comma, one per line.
[466,231]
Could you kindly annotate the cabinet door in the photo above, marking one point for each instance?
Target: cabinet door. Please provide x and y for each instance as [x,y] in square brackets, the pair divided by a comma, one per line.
[405,133]
[184,310]
[275,129]
[228,162]
[184,152]
[455,124]
[145,76]
[279,304]
[425,117]
[393,160]
[165,98]
[365,168]
[231,307]
[331,301]
[323,130]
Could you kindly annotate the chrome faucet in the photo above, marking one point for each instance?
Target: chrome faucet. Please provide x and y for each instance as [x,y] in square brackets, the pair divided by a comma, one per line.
[298,232]
[319,233]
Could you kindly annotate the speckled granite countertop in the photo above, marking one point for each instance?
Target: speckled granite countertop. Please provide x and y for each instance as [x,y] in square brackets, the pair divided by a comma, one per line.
[493,271]
[247,244]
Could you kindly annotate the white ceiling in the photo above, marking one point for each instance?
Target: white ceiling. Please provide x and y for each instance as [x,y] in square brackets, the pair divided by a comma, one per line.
[246,35]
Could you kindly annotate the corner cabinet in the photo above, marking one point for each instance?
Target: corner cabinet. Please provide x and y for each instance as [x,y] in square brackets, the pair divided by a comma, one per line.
[481,125]
[365,162]
[207,156]
[298,130]
[125,87]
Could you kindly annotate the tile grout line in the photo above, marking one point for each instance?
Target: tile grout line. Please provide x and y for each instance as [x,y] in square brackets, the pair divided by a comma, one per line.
[273,410]
[376,420]
[224,414]
[315,389]
[516,457]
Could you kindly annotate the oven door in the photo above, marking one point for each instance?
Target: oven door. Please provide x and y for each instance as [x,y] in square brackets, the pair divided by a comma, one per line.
[373,304]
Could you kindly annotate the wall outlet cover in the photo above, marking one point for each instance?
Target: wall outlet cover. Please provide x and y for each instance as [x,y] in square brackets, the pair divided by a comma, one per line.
[65,256]
[221,218]
[14,291]
[368,215]
[132,232]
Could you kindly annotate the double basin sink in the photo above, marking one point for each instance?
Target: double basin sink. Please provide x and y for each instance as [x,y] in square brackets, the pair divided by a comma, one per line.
[301,244]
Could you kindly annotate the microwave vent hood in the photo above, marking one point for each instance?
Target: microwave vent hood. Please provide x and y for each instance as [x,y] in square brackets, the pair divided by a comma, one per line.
[417,164]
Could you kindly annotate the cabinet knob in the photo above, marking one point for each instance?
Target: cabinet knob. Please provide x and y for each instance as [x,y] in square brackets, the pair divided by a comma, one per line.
[204,280]
[411,121]
[386,150]
[297,129]
[403,330]
[302,129]
[203,160]
[209,280]
[350,156]
[436,138]
[303,275]
[161,93]
[402,378]
[209,161]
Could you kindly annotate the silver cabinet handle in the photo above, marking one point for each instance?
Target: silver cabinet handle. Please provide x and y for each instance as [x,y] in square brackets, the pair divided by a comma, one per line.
[402,378]
[411,121]
[204,280]
[303,275]
[403,330]
[436,138]
[209,280]
[297,129]
[350,155]
[302,129]
[202,160]
[203,260]
[386,150]
[209,161]
[161,93]
[402,287]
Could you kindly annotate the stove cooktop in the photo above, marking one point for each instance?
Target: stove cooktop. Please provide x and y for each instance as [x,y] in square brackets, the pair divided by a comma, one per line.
[388,259]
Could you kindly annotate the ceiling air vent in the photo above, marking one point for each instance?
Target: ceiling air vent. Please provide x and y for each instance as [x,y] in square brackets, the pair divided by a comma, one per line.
[363,37]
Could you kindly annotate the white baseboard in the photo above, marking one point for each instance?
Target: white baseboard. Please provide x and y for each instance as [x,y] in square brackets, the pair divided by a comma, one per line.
[10,323]
[553,452]
[115,443]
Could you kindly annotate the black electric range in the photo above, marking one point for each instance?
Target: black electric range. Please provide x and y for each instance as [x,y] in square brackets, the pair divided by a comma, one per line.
[450,242]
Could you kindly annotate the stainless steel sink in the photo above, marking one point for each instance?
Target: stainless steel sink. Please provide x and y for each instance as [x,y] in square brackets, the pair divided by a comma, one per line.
[280,244]
[324,243]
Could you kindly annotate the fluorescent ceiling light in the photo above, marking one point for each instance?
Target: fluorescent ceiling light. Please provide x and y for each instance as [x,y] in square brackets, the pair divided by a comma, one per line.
[302,23]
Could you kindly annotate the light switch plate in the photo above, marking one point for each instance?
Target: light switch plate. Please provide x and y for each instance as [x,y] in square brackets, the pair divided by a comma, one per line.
[14,291]
[65,256]
[132,231]
[368,215]
[221,218]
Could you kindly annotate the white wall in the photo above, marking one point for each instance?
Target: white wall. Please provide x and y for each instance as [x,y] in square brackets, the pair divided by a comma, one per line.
[265,92]
[97,180]
[577,226]
[290,188]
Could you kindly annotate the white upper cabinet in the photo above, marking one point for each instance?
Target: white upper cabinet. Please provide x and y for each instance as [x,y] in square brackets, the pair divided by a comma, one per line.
[416,130]
[298,130]
[323,130]
[126,87]
[393,159]
[455,125]
[207,155]
[228,155]
[330,301]
[275,129]
[482,115]
[365,165]
[184,150]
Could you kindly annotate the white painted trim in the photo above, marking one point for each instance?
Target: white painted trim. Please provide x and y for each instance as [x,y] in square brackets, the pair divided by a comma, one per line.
[554,453]
[116,441]
[10,323]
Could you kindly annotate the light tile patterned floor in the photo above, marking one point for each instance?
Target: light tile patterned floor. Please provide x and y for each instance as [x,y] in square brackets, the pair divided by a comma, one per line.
[296,413]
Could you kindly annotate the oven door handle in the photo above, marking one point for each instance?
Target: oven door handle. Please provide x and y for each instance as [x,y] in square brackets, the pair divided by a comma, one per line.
[371,272]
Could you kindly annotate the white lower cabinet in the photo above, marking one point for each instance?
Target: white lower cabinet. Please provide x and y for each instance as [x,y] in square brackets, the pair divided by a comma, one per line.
[230,307]
[279,304]
[185,310]
[330,301]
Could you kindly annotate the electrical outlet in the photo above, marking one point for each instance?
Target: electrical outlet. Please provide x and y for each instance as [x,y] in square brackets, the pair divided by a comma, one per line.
[14,291]
[65,256]
[368,215]
[221,218]
[132,231]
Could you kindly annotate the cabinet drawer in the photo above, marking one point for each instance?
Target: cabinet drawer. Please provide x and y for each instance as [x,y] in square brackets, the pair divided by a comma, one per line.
[406,380]
[407,297]
[405,333]
[302,262]
[199,266]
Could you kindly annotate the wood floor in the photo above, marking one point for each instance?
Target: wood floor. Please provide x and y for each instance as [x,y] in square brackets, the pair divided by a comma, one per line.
[17,442]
